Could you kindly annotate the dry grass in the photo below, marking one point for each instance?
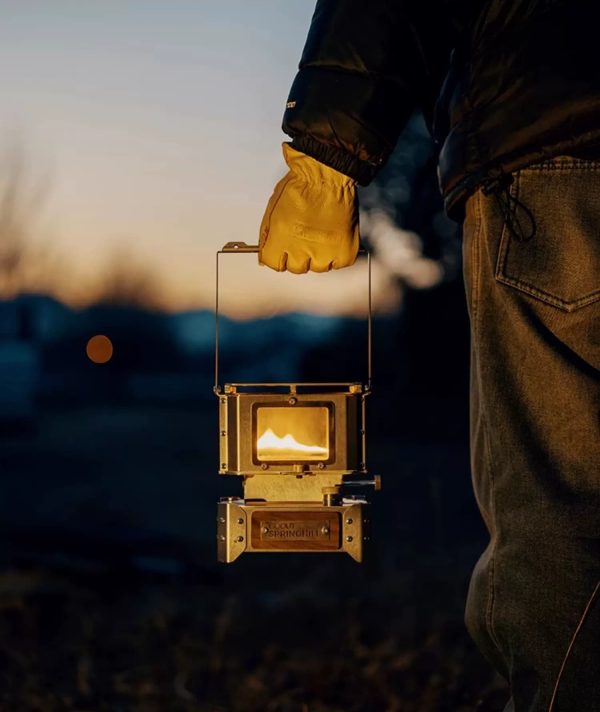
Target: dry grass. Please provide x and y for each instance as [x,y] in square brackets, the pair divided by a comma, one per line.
[204,649]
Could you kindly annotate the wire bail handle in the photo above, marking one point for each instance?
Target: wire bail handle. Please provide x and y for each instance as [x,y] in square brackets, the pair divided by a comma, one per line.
[242,247]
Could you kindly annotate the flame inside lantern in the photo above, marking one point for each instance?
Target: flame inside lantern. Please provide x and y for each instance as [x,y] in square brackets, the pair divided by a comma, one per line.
[293,434]
[287,448]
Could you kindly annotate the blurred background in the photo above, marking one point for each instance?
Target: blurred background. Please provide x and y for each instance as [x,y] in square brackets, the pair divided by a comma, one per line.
[136,138]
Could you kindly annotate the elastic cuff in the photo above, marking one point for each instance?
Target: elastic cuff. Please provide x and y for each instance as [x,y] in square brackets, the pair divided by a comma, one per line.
[313,171]
[338,159]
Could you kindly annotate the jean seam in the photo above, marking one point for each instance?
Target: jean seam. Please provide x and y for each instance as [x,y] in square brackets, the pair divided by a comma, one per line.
[472,297]
[476,267]
[504,237]
[567,306]
[475,262]
[492,566]
[571,645]
[559,166]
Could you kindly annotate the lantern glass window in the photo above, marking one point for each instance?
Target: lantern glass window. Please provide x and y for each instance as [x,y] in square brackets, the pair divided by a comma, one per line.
[292,434]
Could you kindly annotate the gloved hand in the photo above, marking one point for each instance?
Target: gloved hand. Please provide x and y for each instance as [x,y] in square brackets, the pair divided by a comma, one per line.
[311,220]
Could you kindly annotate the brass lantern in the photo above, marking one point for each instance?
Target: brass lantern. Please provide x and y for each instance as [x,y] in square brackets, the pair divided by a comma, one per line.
[300,450]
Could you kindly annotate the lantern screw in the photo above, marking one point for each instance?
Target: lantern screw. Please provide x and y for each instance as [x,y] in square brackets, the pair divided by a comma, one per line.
[349,520]
[240,520]
[292,400]
[239,538]
[349,538]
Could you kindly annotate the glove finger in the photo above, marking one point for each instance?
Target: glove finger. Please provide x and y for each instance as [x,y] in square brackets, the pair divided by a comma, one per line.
[267,259]
[282,264]
[299,264]
[272,256]
[349,257]
[320,266]
[342,264]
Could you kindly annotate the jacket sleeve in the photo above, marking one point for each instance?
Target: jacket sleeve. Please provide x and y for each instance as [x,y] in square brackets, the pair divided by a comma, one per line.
[365,68]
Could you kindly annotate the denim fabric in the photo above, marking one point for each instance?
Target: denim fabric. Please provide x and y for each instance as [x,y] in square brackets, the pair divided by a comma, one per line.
[533,605]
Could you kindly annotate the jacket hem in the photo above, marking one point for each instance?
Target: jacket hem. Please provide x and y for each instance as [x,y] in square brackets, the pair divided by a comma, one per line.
[456,196]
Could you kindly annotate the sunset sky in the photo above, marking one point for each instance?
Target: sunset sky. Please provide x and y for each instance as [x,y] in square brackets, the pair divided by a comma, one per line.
[156,126]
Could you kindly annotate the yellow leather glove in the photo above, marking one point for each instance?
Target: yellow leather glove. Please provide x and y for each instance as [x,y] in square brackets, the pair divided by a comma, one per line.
[311,220]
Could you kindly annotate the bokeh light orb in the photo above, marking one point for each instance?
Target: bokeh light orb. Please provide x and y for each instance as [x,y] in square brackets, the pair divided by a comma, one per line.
[99,349]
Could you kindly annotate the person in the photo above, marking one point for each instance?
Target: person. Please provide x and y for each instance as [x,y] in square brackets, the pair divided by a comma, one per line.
[511,93]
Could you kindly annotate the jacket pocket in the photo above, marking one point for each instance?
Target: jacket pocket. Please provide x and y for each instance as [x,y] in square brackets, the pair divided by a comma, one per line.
[560,265]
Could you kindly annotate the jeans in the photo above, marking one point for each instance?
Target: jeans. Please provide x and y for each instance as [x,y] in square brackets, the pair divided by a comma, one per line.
[533,605]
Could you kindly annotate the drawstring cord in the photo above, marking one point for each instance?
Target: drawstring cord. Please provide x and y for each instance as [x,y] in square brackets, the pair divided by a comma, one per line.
[512,209]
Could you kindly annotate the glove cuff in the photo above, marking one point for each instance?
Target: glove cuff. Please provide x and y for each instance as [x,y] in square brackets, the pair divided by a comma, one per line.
[312,171]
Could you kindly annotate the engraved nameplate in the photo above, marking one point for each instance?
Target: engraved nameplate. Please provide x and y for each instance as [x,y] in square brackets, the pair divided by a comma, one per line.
[295,530]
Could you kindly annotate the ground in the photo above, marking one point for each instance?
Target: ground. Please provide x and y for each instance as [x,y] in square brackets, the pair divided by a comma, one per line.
[111,598]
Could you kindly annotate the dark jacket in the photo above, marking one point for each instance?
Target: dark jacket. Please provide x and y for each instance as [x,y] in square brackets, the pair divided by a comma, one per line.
[502,83]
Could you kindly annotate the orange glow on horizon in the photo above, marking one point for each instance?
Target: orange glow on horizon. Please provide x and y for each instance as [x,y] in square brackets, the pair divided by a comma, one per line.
[247,290]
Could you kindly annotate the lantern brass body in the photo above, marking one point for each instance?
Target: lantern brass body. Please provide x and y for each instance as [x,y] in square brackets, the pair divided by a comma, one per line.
[244,526]
[300,449]
[238,430]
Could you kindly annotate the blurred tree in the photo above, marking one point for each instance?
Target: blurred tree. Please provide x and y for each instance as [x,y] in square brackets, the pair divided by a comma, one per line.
[22,262]
[129,283]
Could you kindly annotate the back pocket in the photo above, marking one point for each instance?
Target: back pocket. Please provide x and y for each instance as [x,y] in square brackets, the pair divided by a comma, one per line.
[560,265]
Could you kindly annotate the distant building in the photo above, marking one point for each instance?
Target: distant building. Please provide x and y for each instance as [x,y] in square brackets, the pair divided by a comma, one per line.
[19,363]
